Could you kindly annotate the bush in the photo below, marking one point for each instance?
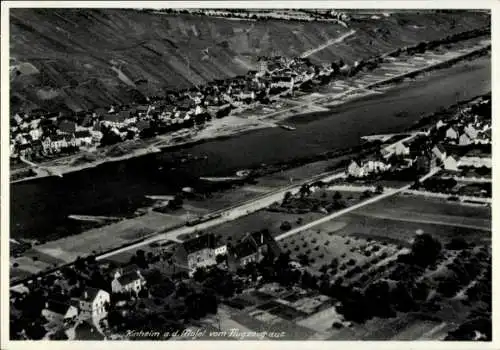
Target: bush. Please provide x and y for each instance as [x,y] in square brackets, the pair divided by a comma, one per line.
[457,243]
[285,226]
[337,325]
[351,262]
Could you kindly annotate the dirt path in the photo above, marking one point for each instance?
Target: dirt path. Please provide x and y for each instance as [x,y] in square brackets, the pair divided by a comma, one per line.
[328,43]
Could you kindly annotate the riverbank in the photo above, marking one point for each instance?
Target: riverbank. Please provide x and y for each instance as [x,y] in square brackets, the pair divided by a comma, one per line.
[250,120]
[74,243]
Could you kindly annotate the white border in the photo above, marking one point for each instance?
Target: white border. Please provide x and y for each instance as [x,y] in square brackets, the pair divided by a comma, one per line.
[494,6]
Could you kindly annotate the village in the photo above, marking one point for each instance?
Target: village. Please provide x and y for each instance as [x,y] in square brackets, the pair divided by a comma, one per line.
[287,277]
[459,144]
[39,136]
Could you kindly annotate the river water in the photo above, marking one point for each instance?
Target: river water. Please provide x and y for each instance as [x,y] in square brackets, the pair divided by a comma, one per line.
[39,208]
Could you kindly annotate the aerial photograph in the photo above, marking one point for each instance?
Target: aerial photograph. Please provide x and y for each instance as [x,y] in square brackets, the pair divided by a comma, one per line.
[249,174]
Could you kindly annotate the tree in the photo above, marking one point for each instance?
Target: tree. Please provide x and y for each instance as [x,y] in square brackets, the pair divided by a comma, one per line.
[200,274]
[379,189]
[366,194]
[337,196]
[457,243]
[304,190]
[287,196]
[176,202]
[285,226]
[425,250]
[220,258]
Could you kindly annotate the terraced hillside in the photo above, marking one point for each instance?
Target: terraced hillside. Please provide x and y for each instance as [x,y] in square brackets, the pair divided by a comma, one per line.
[81,59]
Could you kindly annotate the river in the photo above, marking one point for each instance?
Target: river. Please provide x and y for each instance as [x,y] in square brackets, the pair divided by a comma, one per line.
[39,208]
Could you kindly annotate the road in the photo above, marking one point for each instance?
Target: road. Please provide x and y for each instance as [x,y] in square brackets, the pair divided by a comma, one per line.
[245,208]
[227,214]
[354,207]
[328,43]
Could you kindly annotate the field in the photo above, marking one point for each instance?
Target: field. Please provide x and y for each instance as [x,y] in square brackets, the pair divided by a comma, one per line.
[257,221]
[67,249]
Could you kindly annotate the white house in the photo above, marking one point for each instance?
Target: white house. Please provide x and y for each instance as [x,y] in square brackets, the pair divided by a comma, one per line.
[83,137]
[18,119]
[471,131]
[354,169]
[36,133]
[57,142]
[96,135]
[47,144]
[93,302]
[375,166]
[198,110]
[464,140]
[131,281]
[401,149]
[439,152]
[220,250]
[246,95]
[13,149]
[476,162]
[451,133]
[56,312]
[451,163]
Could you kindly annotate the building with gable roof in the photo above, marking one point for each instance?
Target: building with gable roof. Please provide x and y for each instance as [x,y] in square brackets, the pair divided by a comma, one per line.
[128,280]
[58,312]
[93,301]
[198,252]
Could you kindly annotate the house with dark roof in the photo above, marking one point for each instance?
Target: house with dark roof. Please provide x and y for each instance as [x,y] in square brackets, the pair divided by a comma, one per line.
[83,137]
[116,120]
[252,248]
[128,116]
[143,125]
[58,312]
[127,280]
[67,126]
[25,150]
[93,301]
[197,252]
[37,146]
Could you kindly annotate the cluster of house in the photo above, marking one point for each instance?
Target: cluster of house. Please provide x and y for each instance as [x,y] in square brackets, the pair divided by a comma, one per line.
[93,303]
[202,251]
[465,131]
[454,160]
[455,144]
[266,14]
[194,253]
[41,133]
[408,151]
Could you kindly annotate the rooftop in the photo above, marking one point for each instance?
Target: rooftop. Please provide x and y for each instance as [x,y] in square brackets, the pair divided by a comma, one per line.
[199,243]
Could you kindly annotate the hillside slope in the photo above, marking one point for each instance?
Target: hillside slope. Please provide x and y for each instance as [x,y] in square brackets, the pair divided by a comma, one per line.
[81,59]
